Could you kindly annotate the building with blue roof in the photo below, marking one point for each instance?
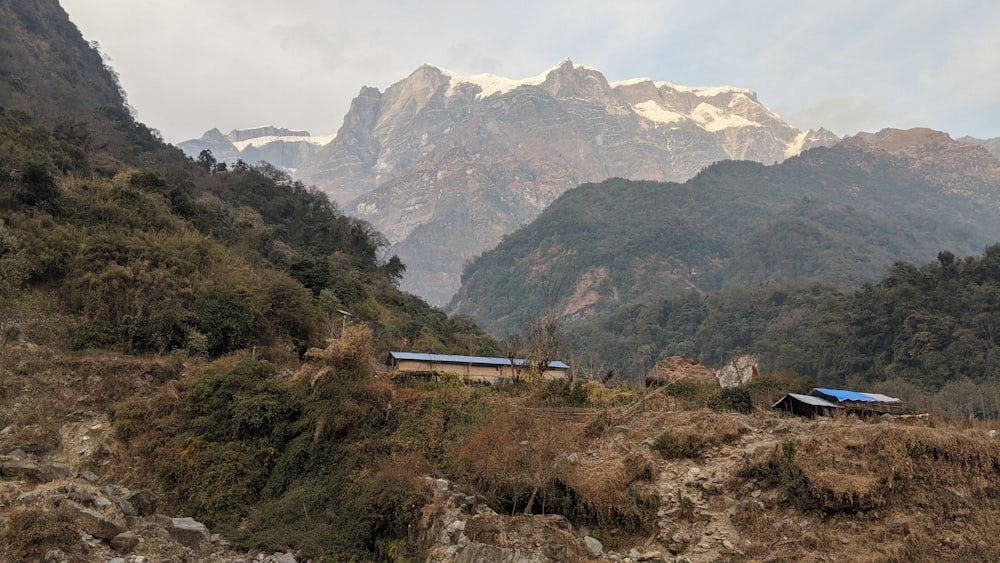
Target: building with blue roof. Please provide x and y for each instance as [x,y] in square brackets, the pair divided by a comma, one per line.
[827,402]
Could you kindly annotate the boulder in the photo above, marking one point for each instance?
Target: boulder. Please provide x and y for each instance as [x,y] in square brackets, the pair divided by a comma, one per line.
[740,371]
[28,470]
[125,542]
[189,532]
[90,521]
[143,502]
[593,545]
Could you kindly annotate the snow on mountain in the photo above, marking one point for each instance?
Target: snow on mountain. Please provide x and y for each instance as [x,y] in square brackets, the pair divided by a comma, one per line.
[708,91]
[438,153]
[281,147]
[491,84]
[654,111]
[444,165]
[266,139]
[713,119]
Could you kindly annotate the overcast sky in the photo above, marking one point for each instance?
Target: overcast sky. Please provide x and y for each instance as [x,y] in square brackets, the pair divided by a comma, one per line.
[849,65]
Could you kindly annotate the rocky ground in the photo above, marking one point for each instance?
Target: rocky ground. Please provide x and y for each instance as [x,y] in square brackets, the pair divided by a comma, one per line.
[860,501]
[729,487]
[698,500]
[50,496]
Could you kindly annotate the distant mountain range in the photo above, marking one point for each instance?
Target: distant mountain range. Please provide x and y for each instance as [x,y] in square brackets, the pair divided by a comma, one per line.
[446,165]
[281,147]
[838,215]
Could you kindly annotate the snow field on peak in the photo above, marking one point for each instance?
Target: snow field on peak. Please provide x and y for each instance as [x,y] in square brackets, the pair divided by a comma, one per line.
[261,141]
[706,91]
[491,84]
[707,116]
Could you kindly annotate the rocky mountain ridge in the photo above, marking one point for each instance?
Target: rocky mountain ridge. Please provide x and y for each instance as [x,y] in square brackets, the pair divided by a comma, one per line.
[446,165]
[992,145]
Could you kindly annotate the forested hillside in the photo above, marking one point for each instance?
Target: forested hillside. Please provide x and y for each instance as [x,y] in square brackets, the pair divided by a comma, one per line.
[121,243]
[837,215]
[928,333]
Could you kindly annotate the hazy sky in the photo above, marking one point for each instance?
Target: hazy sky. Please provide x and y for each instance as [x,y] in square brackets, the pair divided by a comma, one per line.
[848,65]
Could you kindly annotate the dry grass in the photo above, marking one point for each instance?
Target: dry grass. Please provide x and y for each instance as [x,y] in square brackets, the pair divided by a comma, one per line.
[354,346]
[878,492]
[690,433]
[44,392]
[861,466]
[28,534]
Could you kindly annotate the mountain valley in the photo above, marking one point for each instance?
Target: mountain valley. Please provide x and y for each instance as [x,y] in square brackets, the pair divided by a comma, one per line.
[196,353]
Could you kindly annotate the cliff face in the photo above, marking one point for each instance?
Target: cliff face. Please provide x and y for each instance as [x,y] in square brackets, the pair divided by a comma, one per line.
[446,165]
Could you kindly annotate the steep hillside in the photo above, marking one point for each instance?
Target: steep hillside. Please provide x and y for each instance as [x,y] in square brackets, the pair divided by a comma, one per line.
[48,69]
[838,215]
[122,264]
[445,165]
[131,246]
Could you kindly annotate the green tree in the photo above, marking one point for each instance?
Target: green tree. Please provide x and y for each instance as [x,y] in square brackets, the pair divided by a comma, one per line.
[225,318]
[13,276]
[206,160]
[395,269]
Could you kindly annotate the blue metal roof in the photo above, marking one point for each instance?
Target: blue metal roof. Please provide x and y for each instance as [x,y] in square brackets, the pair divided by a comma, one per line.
[841,395]
[453,359]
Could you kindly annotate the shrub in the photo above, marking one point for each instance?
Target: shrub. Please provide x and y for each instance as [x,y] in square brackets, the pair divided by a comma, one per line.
[731,399]
[694,394]
[353,351]
[227,321]
[128,418]
[672,447]
[562,393]
[30,533]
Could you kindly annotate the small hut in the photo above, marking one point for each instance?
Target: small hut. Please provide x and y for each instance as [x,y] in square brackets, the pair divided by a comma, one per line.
[860,403]
[805,405]
[825,402]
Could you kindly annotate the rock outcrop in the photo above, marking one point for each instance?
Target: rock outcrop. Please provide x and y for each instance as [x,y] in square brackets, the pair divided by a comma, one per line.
[739,371]
[460,528]
[100,523]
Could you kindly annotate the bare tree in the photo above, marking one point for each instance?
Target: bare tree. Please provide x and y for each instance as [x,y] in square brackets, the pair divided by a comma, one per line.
[541,332]
[512,345]
[541,338]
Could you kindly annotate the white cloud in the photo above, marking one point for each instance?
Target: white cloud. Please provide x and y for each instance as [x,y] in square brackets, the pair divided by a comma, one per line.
[192,65]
